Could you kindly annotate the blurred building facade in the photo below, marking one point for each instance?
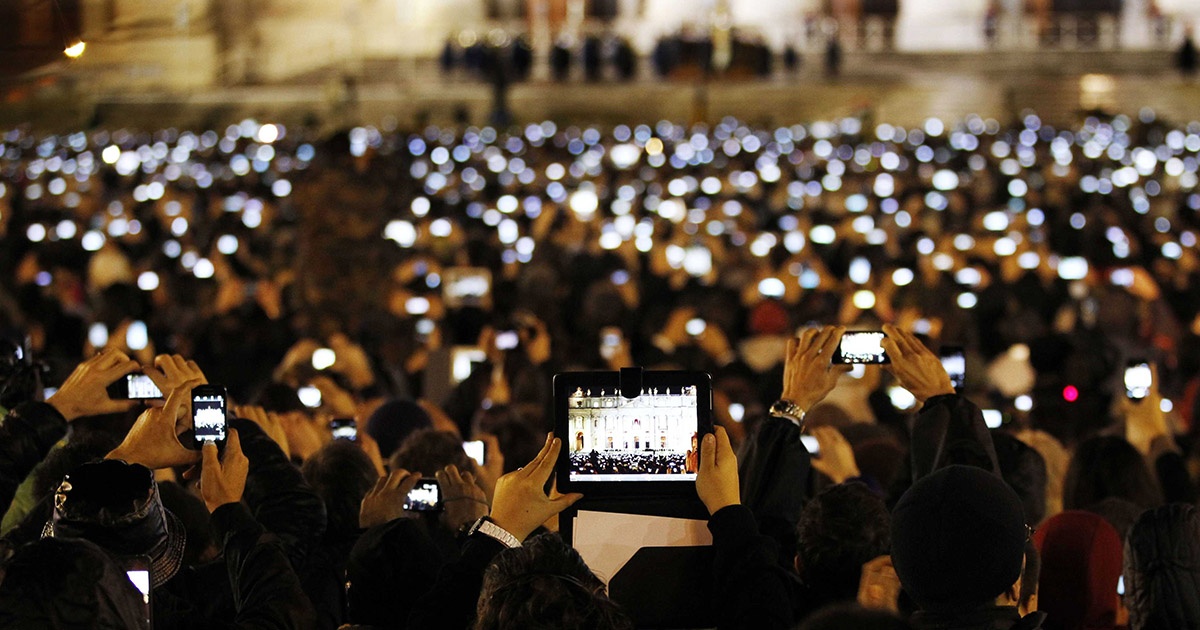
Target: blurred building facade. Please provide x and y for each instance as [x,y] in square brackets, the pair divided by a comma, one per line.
[186,44]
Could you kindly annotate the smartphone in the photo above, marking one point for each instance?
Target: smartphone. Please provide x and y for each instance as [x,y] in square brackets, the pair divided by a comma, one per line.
[310,396]
[134,387]
[955,363]
[1138,379]
[861,347]
[1121,277]
[466,286]
[993,418]
[695,326]
[137,569]
[1121,585]
[811,445]
[425,497]
[507,339]
[610,341]
[476,450]
[737,412]
[344,429]
[210,405]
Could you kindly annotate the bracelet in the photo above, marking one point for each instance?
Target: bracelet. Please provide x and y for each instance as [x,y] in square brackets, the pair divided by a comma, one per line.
[467,498]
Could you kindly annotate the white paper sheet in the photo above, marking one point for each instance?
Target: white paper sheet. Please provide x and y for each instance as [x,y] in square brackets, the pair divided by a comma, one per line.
[607,540]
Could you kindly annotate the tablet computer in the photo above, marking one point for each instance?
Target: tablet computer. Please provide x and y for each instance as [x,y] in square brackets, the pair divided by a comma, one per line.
[631,438]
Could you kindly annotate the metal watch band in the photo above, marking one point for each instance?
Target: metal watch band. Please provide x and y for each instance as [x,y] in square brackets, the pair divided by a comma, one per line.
[486,527]
[788,410]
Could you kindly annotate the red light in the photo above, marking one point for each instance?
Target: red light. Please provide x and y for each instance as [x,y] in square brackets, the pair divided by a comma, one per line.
[1070,393]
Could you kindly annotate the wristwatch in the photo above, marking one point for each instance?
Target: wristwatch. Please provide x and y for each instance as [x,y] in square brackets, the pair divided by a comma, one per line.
[489,528]
[788,410]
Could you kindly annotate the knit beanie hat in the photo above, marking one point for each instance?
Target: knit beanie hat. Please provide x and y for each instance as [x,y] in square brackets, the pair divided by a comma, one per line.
[958,539]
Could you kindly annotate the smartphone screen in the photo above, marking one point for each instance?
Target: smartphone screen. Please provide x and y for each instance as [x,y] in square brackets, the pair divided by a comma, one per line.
[425,328]
[861,347]
[425,497]
[1138,379]
[507,339]
[955,363]
[140,387]
[137,569]
[993,418]
[811,445]
[310,396]
[696,326]
[344,429]
[209,408]
[475,450]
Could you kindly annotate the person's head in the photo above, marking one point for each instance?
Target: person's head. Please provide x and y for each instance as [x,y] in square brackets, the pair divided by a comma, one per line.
[393,421]
[1081,562]
[1162,568]
[1104,467]
[958,540]
[1025,472]
[117,506]
[545,585]
[63,583]
[842,528]
[341,474]
[430,450]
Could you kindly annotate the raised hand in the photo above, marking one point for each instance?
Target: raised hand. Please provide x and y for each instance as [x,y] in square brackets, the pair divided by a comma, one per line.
[717,479]
[222,481]
[808,374]
[85,392]
[385,502]
[520,503]
[464,501]
[837,457]
[154,439]
[171,370]
[917,368]
[270,423]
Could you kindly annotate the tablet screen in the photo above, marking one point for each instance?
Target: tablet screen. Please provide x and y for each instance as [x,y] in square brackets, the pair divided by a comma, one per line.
[653,437]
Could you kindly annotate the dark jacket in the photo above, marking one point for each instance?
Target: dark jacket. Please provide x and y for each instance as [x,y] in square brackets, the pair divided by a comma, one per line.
[26,435]
[1162,568]
[759,593]
[266,591]
[450,604]
[948,430]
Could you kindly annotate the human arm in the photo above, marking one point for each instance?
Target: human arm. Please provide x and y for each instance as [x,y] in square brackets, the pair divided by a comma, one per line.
[267,593]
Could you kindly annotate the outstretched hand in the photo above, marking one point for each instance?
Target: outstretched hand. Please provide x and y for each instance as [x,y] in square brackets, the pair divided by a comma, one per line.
[521,503]
[154,439]
[85,392]
[1144,419]
[172,370]
[808,374]
[917,368]
[223,480]
[464,501]
[837,457]
[385,502]
[717,479]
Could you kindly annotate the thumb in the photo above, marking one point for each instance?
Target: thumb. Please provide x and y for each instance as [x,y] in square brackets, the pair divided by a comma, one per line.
[233,446]
[708,452]
[208,454]
[565,501]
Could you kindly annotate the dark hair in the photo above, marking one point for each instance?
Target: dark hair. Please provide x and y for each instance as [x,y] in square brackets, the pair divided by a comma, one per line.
[341,474]
[852,617]
[80,449]
[430,450]
[1108,466]
[545,585]
[518,442]
[1024,470]
[842,528]
[279,398]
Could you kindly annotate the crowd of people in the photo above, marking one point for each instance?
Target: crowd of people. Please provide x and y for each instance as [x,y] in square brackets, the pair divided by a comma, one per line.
[312,279]
[618,463]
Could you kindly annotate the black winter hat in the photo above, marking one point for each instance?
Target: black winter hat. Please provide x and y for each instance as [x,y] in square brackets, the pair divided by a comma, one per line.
[958,539]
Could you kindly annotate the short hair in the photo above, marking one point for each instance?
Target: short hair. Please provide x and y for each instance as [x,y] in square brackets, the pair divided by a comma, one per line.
[341,474]
[1108,466]
[842,528]
[430,450]
[545,585]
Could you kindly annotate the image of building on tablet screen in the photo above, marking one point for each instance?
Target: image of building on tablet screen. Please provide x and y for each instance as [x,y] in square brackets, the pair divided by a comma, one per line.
[649,438]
